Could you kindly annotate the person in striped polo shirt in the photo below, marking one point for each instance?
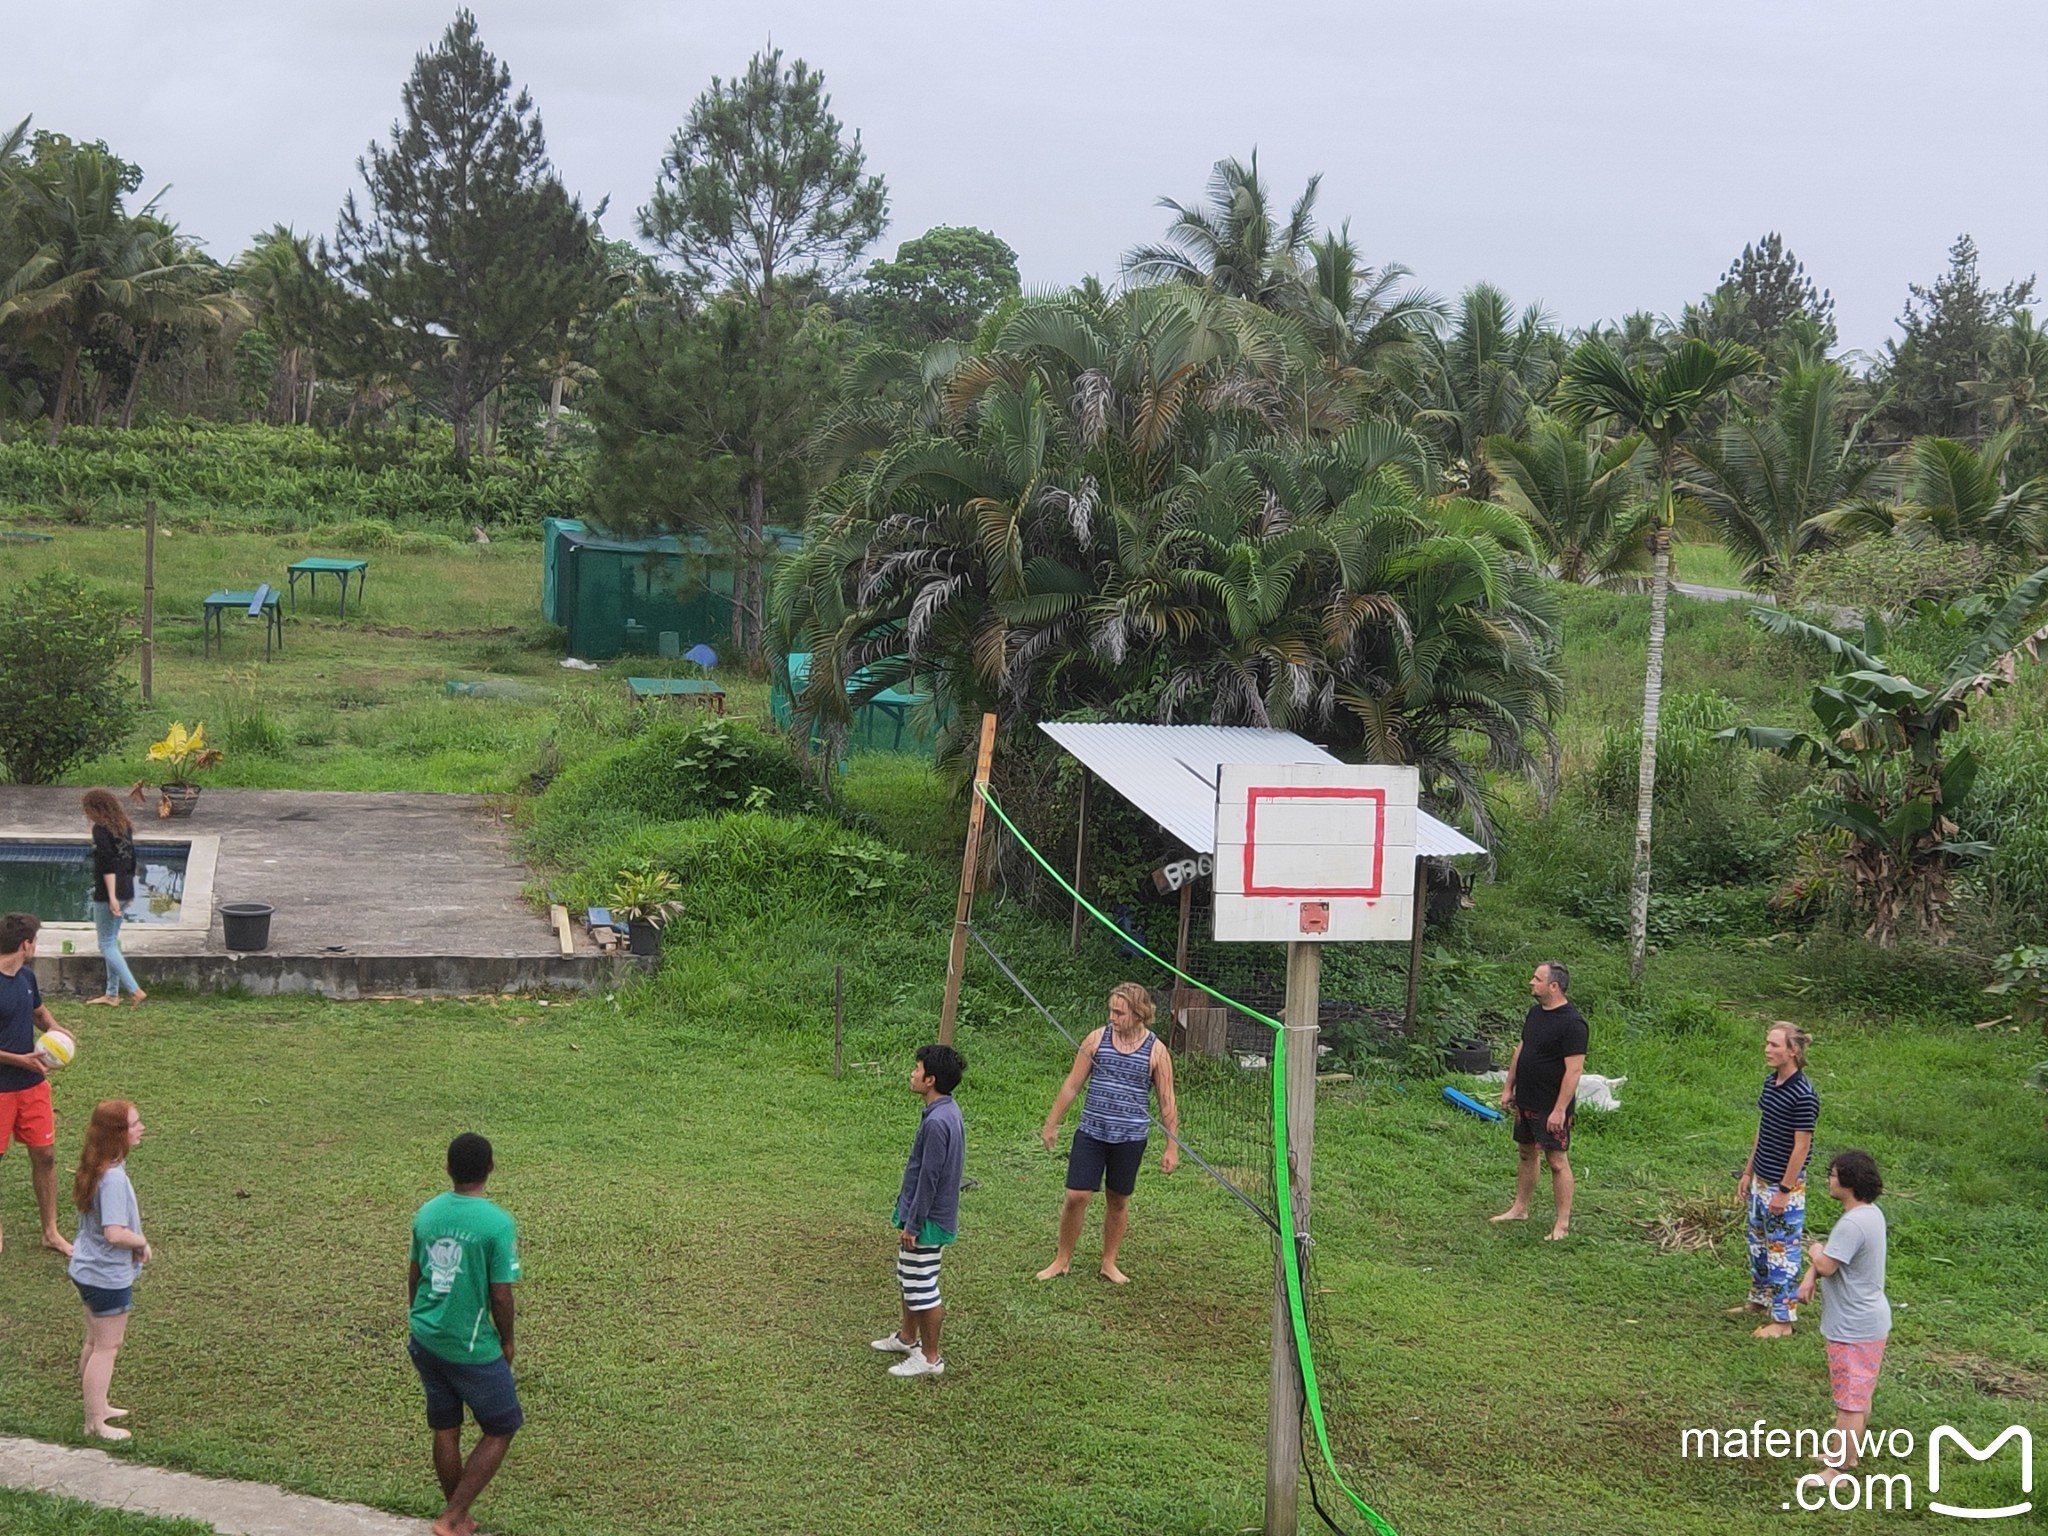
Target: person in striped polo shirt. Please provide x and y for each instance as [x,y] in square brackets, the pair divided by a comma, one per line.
[1120,1064]
[1773,1180]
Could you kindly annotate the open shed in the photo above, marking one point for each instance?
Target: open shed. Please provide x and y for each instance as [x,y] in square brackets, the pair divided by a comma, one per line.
[1169,773]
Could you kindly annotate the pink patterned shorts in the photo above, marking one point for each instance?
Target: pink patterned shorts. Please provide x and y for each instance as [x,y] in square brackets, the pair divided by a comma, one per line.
[1852,1372]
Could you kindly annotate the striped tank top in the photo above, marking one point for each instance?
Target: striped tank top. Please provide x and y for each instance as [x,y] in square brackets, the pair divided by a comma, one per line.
[1119,1091]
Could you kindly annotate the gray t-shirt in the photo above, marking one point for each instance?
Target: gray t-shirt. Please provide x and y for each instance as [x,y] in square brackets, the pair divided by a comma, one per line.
[94,1260]
[1853,1305]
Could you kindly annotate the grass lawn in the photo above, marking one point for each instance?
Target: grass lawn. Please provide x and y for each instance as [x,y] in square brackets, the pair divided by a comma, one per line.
[37,1514]
[703,1208]
[1706,565]
[360,704]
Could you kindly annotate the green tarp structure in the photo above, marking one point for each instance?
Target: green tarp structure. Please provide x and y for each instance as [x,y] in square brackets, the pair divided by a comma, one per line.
[899,719]
[618,596]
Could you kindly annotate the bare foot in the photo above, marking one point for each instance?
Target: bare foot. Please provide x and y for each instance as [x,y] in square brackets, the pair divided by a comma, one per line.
[116,1413]
[108,1432]
[1510,1214]
[139,999]
[1052,1271]
[455,1525]
[56,1244]
[1114,1275]
[1773,1331]
[103,1001]
[1747,1309]
[1557,1234]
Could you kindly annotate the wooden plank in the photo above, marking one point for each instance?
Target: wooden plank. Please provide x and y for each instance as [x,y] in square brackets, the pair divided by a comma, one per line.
[963,907]
[559,916]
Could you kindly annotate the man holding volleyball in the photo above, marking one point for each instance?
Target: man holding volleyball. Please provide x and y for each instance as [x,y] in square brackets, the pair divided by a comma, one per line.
[25,1112]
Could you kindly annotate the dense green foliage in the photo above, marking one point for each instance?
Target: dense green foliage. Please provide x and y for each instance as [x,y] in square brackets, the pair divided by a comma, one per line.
[61,648]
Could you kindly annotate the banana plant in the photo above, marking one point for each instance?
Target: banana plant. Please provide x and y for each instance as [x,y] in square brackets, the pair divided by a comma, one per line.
[1889,780]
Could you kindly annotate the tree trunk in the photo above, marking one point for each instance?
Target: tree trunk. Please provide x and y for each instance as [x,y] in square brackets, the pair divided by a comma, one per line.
[135,385]
[312,378]
[757,519]
[459,405]
[64,383]
[547,444]
[1646,765]
[739,584]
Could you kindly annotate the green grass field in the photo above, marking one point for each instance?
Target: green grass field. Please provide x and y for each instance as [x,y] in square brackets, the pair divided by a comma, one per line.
[35,1514]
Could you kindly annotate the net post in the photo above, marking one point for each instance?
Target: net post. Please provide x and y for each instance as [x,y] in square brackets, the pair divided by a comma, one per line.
[963,908]
[1413,1011]
[1080,859]
[1292,1183]
[148,600]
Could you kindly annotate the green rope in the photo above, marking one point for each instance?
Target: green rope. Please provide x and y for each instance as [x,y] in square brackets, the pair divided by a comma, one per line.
[1289,1240]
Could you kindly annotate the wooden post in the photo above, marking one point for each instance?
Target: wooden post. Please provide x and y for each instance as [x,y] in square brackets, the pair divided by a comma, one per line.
[1408,1019]
[1080,860]
[1283,1397]
[148,599]
[963,909]
[838,1018]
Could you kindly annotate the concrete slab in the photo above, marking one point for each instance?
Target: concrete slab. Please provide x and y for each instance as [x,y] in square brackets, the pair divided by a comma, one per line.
[373,894]
[234,1509]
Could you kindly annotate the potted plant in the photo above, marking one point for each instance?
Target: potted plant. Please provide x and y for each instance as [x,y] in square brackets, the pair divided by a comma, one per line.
[184,755]
[647,899]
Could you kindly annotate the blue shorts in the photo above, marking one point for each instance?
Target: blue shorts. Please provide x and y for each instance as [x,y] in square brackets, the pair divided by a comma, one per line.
[486,1388]
[1091,1158]
[101,1301]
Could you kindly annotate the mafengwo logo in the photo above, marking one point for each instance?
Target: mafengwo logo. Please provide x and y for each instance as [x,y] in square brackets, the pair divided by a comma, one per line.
[1948,1434]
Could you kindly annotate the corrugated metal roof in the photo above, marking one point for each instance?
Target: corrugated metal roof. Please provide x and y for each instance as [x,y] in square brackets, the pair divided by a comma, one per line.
[1169,773]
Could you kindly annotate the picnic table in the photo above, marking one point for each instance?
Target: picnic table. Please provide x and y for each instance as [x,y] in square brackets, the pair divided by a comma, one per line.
[322,565]
[261,603]
[702,690]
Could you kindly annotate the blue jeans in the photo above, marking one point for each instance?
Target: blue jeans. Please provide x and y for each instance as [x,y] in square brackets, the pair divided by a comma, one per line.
[106,922]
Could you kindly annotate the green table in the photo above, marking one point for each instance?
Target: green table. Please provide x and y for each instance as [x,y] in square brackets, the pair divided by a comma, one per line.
[700,689]
[261,602]
[322,565]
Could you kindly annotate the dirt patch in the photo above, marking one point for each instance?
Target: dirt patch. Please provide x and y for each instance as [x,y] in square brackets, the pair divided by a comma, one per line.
[1994,1378]
[1691,1223]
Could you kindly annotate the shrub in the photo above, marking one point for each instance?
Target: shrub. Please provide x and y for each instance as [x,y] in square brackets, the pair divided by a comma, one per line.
[63,699]
[669,772]
[1889,574]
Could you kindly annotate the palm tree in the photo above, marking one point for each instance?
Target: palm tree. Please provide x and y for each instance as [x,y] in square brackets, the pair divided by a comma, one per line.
[1479,379]
[1234,247]
[1767,477]
[1354,313]
[1662,406]
[291,294]
[1953,493]
[1582,496]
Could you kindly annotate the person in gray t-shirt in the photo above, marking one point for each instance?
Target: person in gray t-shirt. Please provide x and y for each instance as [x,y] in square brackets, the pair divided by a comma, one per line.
[1856,1319]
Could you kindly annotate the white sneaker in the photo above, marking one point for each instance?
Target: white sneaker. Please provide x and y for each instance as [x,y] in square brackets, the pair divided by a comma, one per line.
[915,1364]
[890,1344]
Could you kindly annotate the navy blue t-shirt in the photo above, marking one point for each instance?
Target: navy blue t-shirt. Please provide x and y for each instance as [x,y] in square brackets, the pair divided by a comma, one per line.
[19,1000]
[1783,1110]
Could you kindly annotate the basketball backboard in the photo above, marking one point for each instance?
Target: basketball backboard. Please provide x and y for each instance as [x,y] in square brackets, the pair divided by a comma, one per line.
[1314,851]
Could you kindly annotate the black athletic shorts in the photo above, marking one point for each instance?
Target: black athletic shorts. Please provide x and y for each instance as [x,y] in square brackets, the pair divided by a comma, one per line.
[1090,1160]
[1532,1129]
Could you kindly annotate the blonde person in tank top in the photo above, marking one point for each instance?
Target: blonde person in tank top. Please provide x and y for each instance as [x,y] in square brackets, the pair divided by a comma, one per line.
[1121,1065]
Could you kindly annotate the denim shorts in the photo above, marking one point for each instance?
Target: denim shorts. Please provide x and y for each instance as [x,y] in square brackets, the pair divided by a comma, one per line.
[101,1301]
[486,1388]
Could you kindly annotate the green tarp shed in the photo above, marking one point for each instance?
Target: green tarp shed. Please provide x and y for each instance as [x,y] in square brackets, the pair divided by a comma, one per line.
[618,596]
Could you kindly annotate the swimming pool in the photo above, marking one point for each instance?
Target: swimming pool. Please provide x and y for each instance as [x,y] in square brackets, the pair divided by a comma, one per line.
[54,880]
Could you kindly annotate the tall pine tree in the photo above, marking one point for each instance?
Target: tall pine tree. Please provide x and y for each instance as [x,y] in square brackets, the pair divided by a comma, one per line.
[471,246]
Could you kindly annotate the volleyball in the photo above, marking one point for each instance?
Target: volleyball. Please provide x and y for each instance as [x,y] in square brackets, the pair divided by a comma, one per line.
[56,1048]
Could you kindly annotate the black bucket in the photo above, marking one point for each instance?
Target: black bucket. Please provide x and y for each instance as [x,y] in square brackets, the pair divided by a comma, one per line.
[245,925]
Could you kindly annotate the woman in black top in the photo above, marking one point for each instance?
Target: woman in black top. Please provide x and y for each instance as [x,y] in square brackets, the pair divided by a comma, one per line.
[113,885]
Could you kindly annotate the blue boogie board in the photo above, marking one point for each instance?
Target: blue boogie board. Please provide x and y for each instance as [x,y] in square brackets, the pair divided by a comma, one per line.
[1472,1106]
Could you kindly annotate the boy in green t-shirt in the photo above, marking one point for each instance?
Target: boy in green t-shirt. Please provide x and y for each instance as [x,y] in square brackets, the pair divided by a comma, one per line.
[465,1256]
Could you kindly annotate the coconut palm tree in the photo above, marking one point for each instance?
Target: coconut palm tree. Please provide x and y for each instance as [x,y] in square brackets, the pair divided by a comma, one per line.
[1480,377]
[1582,496]
[1662,406]
[1953,493]
[1767,477]
[1235,246]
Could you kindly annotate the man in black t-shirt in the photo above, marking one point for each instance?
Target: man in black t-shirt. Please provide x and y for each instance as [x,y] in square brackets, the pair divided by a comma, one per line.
[1543,1081]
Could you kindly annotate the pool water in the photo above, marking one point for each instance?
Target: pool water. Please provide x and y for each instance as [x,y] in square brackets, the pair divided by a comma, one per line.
[54,881]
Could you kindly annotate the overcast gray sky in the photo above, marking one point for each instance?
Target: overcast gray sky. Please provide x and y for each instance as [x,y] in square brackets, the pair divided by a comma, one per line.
[1595,155]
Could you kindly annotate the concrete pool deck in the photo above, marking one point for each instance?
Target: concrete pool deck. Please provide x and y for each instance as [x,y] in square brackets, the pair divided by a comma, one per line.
[374,894]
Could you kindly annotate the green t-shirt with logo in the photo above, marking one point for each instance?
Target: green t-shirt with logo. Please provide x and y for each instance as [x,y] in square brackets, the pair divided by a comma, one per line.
[463,1245]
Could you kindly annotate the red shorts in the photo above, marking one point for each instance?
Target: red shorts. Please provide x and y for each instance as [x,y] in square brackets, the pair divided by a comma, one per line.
[26,1117]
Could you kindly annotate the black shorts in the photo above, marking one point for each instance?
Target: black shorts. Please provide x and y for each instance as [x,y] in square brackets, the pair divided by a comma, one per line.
[1532,1129]
[1090,1160]
[486,1390]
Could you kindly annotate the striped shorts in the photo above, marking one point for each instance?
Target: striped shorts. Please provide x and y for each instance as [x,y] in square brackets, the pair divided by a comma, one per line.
[917,1271]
